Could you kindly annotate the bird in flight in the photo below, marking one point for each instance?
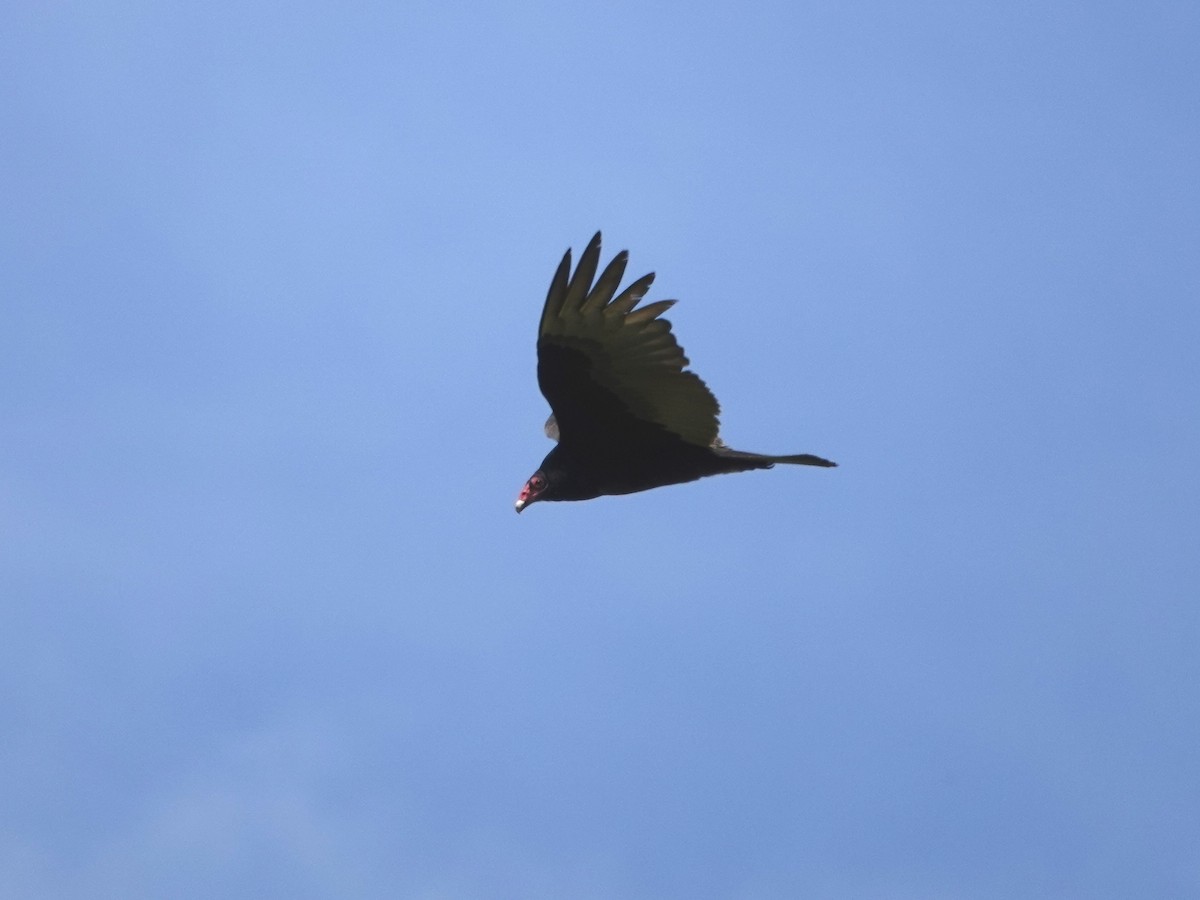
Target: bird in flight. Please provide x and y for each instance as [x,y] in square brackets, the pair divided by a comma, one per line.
[625,412]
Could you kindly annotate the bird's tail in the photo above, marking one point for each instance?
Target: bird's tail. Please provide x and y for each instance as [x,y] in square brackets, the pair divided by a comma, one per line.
[804,459]
[795,459]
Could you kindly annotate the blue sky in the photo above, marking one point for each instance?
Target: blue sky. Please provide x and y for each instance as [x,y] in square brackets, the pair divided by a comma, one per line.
[269,283]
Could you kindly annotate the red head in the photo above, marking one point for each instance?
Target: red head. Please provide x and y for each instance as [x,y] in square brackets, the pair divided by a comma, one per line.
[533,490]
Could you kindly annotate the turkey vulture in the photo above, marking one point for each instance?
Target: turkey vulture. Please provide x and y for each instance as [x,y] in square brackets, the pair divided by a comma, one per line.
[626,414]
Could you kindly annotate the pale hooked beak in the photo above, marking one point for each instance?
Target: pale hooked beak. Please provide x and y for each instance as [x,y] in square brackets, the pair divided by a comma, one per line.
[520,504]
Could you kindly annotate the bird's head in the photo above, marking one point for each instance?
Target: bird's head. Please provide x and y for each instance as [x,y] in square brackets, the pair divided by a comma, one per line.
[535,489]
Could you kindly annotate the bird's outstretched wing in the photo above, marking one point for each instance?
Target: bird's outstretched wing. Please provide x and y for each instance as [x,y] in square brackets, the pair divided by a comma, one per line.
[603,362]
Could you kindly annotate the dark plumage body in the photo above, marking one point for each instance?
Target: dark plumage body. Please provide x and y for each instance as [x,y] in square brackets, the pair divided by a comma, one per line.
[627,415]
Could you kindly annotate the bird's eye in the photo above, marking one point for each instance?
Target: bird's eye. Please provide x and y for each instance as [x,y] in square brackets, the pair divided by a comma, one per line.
[537,482]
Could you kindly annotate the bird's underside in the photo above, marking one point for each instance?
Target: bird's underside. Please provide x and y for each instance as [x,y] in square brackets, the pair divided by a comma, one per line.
[627,415]
[628,454]
[655,463]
